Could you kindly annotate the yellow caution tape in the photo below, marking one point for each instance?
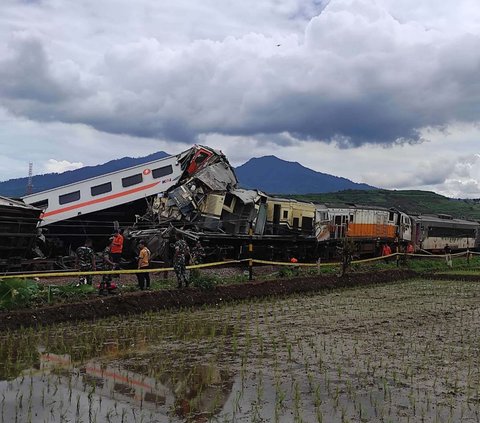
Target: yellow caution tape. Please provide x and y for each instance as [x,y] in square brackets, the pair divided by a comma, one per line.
[220,263]
[111,272]
[287,263]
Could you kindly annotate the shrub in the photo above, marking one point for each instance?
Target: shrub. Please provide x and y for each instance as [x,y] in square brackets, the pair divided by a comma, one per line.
[202,281]
[17,292]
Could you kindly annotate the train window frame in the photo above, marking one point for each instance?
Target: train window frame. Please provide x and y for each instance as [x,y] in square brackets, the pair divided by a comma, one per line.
[160,172]
[285,214]
[131,180]
[41,204]
[70,197]
[391,216]
[101,189]
[307,223]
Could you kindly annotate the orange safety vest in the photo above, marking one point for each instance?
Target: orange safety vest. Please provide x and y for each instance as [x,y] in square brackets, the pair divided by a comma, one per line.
[117,244]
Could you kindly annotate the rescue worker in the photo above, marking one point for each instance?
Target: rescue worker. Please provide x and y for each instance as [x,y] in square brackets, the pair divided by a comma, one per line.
[386,251]
[143,263]
[198,253]
[180,258]
[116,247]
[296,268]
[85,261]
[448,255]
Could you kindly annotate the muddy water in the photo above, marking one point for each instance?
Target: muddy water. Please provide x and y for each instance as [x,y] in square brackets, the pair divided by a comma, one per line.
[407,352]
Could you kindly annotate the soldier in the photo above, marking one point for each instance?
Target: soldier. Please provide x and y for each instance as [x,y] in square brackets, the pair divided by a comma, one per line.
[198,253]
[85,261]
[108,264]
[182,253]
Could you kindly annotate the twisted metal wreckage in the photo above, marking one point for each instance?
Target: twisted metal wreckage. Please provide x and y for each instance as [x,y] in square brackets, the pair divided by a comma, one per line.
[205,204]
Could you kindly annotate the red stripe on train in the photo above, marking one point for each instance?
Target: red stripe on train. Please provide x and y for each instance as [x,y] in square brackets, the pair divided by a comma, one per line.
[100,200]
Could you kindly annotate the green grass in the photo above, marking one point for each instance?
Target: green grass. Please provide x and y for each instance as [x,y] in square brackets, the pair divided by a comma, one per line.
[19,293]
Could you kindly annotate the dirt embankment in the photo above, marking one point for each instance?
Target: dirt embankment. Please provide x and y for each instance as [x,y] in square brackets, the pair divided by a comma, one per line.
[139,302]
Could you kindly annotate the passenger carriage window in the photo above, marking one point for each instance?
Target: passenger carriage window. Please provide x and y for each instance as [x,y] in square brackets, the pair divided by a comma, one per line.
[162,171]
[101,189]
[42,204]
[285,214]
[307,223]
[132,180]
[69,198]
[390,216]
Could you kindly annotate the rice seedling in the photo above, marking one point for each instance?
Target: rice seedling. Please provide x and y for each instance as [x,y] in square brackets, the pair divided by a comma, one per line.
[360,354]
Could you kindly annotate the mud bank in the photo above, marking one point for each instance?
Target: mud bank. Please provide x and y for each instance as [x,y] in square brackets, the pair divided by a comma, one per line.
[139,302]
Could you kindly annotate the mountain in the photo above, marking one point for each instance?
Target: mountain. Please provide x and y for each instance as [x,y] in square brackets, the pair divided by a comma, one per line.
[17,187]
[276,176]
[269,174]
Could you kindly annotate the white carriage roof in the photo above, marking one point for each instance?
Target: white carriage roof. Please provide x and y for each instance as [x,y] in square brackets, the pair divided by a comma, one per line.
[432,218]
[5,201]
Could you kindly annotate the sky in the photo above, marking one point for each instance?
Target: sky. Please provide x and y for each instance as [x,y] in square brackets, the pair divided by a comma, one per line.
[385,92]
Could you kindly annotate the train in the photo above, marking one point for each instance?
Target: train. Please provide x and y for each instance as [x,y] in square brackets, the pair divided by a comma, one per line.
[209,206]
[197,193]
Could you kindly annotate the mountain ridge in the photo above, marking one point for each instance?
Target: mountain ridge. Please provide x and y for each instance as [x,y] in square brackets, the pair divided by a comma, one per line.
[290,177]
[256,173]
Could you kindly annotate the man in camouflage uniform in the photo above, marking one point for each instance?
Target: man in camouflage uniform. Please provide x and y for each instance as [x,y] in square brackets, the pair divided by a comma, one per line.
[198,253]
[85,261]
[108,264]
[182,254]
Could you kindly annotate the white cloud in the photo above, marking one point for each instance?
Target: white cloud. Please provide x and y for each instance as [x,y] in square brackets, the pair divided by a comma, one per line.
[59,166]
[254,78]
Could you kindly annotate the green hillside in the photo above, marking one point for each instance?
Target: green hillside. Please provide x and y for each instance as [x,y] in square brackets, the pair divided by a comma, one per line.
[414,202]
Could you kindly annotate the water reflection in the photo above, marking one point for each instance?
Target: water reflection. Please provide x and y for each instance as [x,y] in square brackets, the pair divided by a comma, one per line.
[61,389]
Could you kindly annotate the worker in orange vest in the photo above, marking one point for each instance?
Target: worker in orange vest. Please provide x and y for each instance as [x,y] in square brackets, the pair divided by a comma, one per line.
[386,250]
[116,247]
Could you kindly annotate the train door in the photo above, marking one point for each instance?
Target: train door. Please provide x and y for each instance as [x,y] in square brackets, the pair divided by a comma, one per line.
[378,224]
[405,227]
[322,232]
[340,224]
[276,218]
[261,219]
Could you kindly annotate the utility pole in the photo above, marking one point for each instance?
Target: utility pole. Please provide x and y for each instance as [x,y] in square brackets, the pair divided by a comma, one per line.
[250,251]
[29,189]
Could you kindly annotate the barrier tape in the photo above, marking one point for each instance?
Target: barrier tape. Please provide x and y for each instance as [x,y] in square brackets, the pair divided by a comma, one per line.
[114,272]
[220,263]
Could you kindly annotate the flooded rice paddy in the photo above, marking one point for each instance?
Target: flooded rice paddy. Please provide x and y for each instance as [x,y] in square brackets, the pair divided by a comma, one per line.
[405,352]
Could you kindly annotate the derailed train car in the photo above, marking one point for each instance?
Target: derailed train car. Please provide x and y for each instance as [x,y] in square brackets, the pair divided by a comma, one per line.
[18,230]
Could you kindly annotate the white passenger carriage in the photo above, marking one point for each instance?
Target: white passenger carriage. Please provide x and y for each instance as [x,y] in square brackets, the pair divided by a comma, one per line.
[434,232]
[107,191]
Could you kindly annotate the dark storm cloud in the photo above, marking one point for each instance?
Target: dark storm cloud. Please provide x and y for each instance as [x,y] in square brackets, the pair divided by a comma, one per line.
[357,76]
[25,74]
